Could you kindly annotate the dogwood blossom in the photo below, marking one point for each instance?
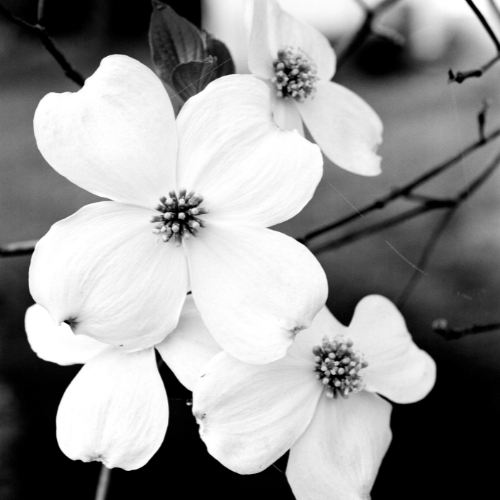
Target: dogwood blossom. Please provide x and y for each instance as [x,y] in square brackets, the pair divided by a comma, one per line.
[208,185]
[115,411]
[297,62]
[319,401]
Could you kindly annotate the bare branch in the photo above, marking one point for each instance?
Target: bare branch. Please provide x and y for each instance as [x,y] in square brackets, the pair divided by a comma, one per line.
[485,24]
[18,248]
[426,206]
[40,12]
[405,191]
[461,76]
[425,257]
[103,484]
[373,229]
[366,28]
[48,43]
[440,326]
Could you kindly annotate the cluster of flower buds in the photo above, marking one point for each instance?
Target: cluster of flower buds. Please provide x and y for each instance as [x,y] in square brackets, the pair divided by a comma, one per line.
[295,74]
[338,366]
[178,217]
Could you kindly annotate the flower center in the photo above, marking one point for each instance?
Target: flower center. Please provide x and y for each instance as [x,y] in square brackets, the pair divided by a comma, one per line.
[178,216]
[295,74]
[338,366]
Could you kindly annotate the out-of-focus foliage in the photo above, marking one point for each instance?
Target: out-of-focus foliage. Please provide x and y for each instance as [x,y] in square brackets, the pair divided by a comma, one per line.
[185,58]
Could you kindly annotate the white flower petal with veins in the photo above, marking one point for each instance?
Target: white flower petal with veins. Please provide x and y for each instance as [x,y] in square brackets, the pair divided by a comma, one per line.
[250,414]
[345,127]
[104,272]
[267,285]
[271,406]
[189,347]
[338,456]
[115,410]
[397,368]
[248,170]
[115,137]
[58,344]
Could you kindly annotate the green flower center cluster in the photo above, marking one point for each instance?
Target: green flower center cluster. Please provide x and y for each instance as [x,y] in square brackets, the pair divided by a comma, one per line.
[338,366]
[178,217]
[295,74]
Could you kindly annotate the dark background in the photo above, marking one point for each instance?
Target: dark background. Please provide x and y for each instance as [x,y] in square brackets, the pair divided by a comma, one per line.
[444,446]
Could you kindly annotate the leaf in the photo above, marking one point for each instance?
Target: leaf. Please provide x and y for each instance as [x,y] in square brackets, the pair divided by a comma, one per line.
[173,40]
[191,78]
[218,50]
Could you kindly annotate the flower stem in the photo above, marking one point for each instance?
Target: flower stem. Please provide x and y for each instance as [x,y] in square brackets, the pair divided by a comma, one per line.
[103,484]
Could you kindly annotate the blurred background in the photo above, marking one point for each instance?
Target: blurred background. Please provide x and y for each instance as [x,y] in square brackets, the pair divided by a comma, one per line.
[444,446]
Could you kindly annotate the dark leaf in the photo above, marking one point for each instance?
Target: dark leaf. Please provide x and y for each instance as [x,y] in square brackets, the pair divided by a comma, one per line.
[217,49]
[173,40]
[190,78]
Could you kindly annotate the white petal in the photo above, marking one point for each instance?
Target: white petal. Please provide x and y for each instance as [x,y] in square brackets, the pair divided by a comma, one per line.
[115,411]
[397,368]
[286,115]
[345,127]
[116,137]
[255,289]
[286,31]
[260,56]
[324,324]
[103,271]
[249,415]
[189,347]
[58,344]
[338,456]
[231,151]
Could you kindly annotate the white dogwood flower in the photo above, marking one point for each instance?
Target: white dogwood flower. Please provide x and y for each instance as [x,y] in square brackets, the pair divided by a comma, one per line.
[115,410]
[297,62]
[207,185]
[319,402]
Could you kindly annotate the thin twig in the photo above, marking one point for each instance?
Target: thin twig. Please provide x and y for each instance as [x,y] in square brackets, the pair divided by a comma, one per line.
[18,248]
[48,43]
[405,190]
[365,30]
[481,119]
[440,326]
[103,484]
[461,76]
[425,257]
[425,207]
[436,234]
[485,24]
[373,229]
[40,12]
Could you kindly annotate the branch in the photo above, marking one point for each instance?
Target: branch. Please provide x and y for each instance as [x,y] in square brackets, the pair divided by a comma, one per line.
[461,76]
[47,42]
[405,190]
[485,24]
[18,248]
[425,258]
[103,483]
[40,12]
[368,231]
[366,28]
[427,206]
[440,326]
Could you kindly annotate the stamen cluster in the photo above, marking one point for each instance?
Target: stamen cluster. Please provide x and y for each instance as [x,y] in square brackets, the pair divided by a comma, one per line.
[178,216]
[295,74]
[338,366]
